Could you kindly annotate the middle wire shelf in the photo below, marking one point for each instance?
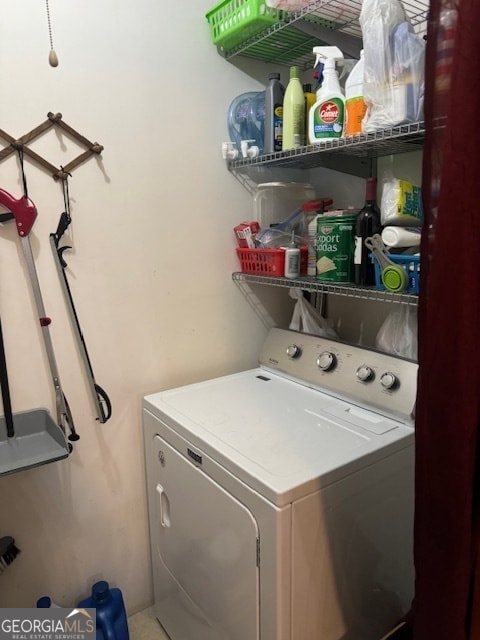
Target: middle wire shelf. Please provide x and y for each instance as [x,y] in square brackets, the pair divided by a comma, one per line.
[399,139]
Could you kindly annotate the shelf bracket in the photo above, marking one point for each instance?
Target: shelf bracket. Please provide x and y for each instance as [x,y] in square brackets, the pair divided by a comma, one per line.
[256,304]
[245,180]
[16,144]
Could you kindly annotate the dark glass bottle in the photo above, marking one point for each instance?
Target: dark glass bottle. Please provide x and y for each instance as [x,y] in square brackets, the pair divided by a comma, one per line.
[368,223]
[273,114]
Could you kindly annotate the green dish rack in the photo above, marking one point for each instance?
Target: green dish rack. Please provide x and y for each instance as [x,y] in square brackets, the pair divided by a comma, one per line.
[233,21]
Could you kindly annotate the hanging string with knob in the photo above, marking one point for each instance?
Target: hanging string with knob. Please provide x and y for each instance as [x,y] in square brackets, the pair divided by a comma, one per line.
[52,56]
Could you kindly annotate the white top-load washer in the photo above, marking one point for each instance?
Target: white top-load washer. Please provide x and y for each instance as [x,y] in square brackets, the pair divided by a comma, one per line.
[281,498]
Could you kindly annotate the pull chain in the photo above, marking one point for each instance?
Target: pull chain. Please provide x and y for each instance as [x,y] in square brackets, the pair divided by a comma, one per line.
[52,56]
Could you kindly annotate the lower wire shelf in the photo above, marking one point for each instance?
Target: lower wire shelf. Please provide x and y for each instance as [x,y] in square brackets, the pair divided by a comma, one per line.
[310,283]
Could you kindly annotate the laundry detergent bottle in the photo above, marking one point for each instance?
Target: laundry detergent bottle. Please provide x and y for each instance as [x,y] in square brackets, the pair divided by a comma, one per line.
[273,114]
[110,611]
[326,117]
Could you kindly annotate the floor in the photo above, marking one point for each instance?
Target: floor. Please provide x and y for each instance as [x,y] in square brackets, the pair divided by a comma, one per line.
[145,626]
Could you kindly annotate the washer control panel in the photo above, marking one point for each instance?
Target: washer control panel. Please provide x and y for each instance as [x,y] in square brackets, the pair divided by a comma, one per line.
[366,377]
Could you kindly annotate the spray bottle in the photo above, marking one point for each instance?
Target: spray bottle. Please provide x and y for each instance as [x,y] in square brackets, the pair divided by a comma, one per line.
[355,107]
[326,117]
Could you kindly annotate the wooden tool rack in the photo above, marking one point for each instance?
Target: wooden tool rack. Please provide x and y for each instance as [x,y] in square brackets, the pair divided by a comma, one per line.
[53,120]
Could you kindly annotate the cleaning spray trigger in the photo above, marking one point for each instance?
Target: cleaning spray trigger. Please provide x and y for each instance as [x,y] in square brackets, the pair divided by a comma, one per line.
[327,55]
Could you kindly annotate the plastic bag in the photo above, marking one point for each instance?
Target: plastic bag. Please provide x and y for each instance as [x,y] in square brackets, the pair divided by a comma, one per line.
[398,333]
[274,239]
[307,319]
[401,203]
[281,234]
[394,69]
[288,5]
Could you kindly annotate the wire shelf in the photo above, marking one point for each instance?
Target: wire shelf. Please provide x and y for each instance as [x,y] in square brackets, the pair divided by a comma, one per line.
[313,285]
[291,40]
[394,140]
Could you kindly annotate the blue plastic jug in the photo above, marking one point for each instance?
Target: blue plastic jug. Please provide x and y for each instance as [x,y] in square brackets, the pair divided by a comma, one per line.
[111,614]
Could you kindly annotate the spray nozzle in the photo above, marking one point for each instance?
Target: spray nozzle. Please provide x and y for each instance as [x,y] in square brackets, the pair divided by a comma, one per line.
[328,56]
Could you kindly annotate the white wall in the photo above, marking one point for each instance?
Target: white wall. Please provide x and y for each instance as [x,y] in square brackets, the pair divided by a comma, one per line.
[150,269]
[153,250]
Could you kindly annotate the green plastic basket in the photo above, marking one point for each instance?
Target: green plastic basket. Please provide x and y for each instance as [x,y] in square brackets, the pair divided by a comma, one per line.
[233,21]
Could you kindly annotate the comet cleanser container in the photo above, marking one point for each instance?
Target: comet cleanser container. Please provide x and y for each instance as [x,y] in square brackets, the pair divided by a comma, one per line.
[335,246]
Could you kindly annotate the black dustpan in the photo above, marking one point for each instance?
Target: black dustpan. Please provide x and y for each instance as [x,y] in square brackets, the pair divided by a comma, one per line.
[28,438]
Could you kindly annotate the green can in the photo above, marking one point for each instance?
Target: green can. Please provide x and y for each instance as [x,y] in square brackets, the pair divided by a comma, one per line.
[335,247]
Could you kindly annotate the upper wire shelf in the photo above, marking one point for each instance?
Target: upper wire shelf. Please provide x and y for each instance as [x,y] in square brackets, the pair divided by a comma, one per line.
[291,40]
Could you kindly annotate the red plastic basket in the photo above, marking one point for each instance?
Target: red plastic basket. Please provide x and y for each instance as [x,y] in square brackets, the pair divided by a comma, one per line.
[269,262]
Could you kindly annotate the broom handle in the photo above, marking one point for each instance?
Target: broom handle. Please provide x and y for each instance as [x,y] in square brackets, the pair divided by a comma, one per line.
[7,405]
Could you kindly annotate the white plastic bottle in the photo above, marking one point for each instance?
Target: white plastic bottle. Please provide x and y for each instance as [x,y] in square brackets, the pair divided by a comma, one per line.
[292,259]
[355,107]
[293,112]
[326,118]
[401,236]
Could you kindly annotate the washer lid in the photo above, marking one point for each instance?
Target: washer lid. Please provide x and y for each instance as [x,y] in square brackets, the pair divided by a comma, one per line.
[279,437]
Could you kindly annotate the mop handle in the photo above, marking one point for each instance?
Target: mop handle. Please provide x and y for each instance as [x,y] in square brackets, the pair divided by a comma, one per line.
[7,405]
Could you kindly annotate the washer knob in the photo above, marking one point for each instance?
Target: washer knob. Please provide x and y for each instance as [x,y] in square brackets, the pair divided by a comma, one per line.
[389,380]
[365,373]
[293,351]
[326,361]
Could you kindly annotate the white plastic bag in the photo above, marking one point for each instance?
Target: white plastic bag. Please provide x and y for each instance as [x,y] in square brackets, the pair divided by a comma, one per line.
[394,66]
[307,319]
[398,333]
[288,5]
